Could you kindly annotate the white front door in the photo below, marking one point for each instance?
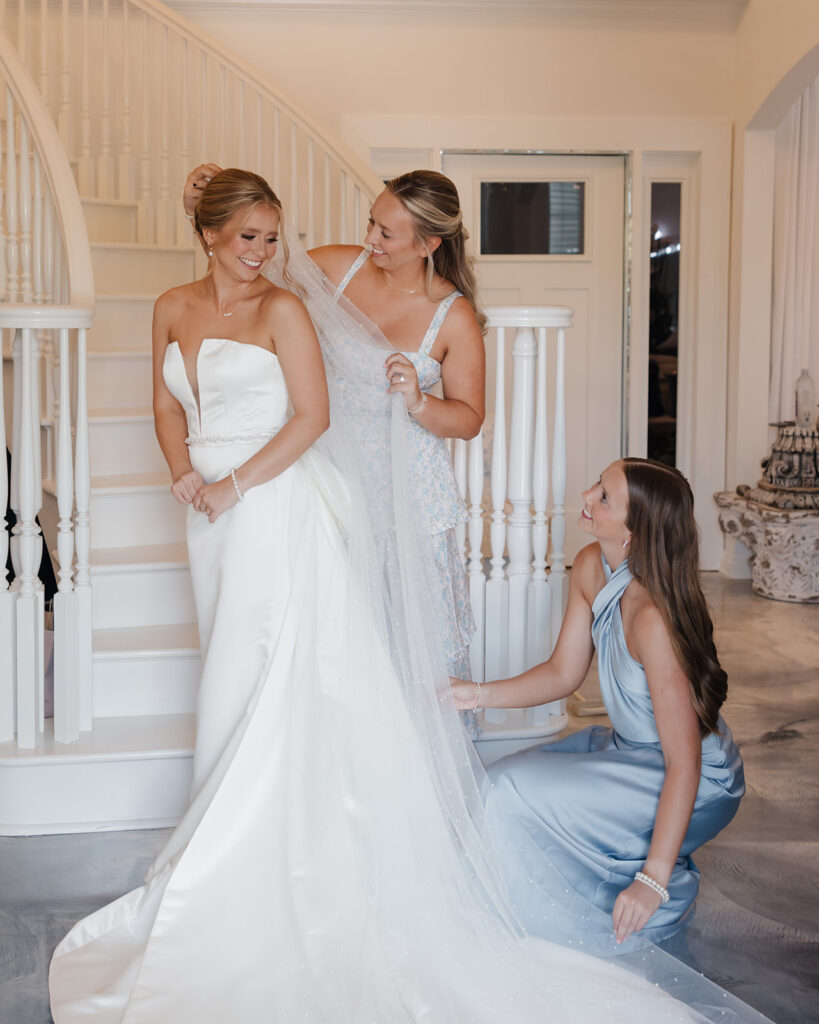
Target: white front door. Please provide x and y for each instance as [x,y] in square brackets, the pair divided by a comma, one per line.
[549,231]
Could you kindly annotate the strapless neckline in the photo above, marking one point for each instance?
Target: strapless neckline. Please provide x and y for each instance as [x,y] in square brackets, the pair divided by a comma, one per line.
[194,391]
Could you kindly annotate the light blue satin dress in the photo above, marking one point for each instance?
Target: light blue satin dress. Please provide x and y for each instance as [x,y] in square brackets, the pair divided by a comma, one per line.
[574,819]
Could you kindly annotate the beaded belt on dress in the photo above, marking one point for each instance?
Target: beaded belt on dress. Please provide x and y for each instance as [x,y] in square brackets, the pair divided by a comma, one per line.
[235,439]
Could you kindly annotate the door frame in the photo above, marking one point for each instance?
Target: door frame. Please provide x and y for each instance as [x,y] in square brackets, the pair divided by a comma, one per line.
[705,146]
[625,327]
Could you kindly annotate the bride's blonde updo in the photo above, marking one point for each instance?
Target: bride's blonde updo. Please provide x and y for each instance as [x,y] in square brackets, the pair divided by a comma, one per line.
[229,192]
[432,201]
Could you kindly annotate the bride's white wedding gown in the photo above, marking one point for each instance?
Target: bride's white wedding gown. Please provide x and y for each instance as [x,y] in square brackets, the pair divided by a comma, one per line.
[320,874]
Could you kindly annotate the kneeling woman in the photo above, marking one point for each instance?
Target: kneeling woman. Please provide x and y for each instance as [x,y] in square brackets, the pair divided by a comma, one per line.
[597,830]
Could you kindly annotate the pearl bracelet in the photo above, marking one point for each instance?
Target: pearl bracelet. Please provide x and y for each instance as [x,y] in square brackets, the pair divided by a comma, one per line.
[477,698]
[420,406]
[652,884]
[239,494]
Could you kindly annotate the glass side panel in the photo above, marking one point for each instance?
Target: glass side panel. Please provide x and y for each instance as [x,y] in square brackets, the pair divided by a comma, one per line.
[664,301]
[532,218]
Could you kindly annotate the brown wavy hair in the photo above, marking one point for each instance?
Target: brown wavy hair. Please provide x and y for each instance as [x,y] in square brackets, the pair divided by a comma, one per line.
[230,191]
[432,201]
[664,556]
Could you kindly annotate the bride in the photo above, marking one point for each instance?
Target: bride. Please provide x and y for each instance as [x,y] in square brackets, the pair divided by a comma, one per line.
[332,867]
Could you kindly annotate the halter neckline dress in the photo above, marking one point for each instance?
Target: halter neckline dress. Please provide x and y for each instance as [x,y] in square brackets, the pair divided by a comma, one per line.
[577,816]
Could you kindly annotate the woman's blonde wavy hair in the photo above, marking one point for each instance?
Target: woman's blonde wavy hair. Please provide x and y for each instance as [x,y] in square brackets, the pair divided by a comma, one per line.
[229,192]
[432,201]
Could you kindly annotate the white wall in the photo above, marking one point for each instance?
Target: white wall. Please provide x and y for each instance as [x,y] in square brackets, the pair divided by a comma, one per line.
[389,62]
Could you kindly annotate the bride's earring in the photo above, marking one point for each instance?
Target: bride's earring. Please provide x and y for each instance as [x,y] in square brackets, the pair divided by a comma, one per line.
[626,542]
[210,250]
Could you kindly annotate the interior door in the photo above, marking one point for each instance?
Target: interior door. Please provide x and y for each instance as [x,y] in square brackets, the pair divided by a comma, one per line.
[548,230]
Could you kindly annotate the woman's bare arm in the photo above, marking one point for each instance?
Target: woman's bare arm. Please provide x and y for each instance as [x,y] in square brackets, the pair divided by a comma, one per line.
[565,671]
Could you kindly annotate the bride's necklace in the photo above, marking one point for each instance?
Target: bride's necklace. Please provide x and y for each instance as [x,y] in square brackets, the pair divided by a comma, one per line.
[229,312]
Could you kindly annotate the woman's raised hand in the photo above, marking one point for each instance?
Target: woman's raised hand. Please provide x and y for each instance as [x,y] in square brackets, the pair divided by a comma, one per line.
[194,183]
[184,488]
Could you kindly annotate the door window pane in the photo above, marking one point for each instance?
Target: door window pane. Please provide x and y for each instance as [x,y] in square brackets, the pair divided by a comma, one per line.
[532,218]
[664,321]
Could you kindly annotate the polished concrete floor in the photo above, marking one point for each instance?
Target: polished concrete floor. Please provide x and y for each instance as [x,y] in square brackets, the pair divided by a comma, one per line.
[756,930]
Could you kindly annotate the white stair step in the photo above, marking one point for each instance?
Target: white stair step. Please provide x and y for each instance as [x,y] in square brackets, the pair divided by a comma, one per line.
[127,773]
[131,510]
[144,586]
[122,322]
[123,439]
[146,670]
[119,379]
[110,220]
[128,268]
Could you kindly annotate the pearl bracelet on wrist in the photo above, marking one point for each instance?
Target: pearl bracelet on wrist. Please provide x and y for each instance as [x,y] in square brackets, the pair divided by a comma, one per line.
[420,405]
[239,494]
[477,697]
[652,884]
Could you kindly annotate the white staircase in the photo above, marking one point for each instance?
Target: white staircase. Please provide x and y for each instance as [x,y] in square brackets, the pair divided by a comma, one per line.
[128,662]
[133,770]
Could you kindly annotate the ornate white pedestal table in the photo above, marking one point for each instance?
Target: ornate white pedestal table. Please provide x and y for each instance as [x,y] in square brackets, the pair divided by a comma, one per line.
[784,544]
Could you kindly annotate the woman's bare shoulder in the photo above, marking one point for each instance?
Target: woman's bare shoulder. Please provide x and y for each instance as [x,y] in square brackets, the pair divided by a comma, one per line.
[335,260]
[587,571]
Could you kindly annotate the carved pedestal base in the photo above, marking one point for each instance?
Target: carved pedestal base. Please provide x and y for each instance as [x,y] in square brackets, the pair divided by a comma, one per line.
[784,545]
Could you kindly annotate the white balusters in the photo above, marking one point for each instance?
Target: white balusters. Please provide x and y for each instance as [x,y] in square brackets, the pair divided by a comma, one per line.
[145,206]
[105,160]
[540,640]
[497,587]
[344,234]
[183,225]
[66,668]
[519,609]
[475,573]
[165,205]
[24,211]
[126,170]
[82,539]
[294,176]
[310,240]
[44,61]
[85,171]
[12,244]
[8,713]
[459,467]
[519,528]
[28,608]
[38,225]
[64,118]
[559,584]
[327,235]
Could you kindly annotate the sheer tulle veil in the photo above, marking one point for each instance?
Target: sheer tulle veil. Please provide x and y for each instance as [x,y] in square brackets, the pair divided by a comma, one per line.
[391,568]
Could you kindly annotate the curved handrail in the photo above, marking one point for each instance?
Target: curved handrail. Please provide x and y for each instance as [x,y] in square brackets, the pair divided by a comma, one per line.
[62,187]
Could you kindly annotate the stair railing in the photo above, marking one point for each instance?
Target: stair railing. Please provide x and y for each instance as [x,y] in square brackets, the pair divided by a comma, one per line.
[518,607]
[46,288]
[141,96]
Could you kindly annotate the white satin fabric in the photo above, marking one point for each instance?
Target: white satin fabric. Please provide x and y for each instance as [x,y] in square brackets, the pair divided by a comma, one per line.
[315,877]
